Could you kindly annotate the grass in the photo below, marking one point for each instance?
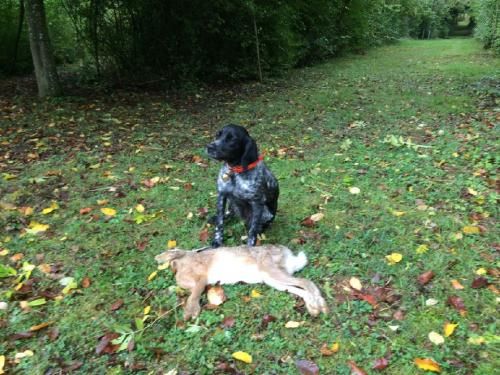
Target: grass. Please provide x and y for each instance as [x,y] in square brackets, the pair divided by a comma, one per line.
[323,130]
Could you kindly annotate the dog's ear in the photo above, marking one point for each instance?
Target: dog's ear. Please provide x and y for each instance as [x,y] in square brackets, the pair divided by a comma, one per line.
[250,154]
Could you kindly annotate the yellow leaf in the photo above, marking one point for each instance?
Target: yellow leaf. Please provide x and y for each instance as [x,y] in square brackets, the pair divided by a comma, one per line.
[139,208]
[2,364]
[4,252]
[436,338]
[163,266]
[8,176]
[171,244]
[108,211]
[471,191]
[449,328]
[53,206]
[242,356]
[152,275]
[476,340]
[147,309]
[456,285]
[35,227]
[102,202]
[40,326]
[471,229]
[293,324]
[255,294]
[355,283]
[481,271]
[427,364]
[422,249]
[394,258]
[398,213]
[335,347]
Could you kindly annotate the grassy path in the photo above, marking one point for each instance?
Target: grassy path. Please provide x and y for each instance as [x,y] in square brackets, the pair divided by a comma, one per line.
[411,126]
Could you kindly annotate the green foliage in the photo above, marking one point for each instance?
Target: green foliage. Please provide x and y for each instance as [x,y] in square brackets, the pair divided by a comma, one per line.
[488,23]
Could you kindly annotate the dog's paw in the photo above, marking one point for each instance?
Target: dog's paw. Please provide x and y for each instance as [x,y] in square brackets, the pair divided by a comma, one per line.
[191,312]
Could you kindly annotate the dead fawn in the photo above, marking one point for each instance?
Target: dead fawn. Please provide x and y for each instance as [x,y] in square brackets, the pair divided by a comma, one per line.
[269,264]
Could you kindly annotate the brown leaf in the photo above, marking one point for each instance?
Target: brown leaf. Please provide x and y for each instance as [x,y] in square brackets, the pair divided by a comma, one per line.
[399,315]
[328,350]
[458,304]
[216,295]
[21,335]
[266,319]
[228,322]
[308,222]
[40,326]
[86,282]
[53,334]
[479,282]
[105,345]
[188,186]
[72,367]
[426,277]
[306,367]
[380,364]
[141,245]
[204,235]
[115,306]
[84,211]
[355,370]
[202,212]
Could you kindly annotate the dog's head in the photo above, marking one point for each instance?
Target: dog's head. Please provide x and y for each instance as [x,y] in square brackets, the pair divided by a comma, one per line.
[233,145]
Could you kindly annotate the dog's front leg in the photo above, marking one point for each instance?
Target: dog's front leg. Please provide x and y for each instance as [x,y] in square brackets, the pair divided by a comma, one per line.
[255,227]
[192,307]
[219,220]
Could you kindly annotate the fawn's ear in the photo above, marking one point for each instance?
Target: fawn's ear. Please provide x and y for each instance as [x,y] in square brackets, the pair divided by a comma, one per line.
[250,154]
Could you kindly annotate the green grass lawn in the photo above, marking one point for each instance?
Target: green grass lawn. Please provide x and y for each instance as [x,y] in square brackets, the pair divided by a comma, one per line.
[410,125]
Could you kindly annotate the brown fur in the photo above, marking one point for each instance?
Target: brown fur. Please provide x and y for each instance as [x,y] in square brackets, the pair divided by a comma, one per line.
[270,264]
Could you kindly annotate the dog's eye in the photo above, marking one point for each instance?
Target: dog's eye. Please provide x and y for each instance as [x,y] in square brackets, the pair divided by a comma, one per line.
[229,137]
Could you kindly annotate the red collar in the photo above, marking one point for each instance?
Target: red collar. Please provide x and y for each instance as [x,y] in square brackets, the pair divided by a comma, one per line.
[240,169]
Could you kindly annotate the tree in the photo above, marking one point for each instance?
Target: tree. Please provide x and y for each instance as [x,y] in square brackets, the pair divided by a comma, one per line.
[41,50]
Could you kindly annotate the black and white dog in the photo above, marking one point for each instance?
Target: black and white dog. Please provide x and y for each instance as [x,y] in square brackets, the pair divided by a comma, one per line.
[244,183]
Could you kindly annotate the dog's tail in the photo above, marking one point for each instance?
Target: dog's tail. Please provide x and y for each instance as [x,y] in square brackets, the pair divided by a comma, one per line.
[170,255]
[294,263]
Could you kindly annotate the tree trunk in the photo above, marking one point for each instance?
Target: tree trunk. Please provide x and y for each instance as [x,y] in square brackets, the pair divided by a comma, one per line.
[41,50]
[18,35]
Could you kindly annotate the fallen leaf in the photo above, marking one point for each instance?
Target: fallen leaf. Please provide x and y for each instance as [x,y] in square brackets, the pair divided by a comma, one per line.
[139,208]
[108,211]
[85,210]
[431,302]
[242,356]
[228,322]
[317,217]
[35,227]
[116,305]
[329,350]
[204,235]
[266,319]
[394,258]
[16,257]
[152,275]
[21,355]
[481,271]
[398,213]
[425,278]
[479,282]
[293,324]
[435,338]
[421,249]
[105,345]
[476,340]
[354,190]
[449,328]
[399,315]
[427,364]
[306,367]
[53,206]
[255,294]
[86,282]
[215,295]
[456,285]
[171,244]
[40,326]
[355,370]
[2,364]
[471,229]
[308,222]
[457,303]
[355,283]
[380,364]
